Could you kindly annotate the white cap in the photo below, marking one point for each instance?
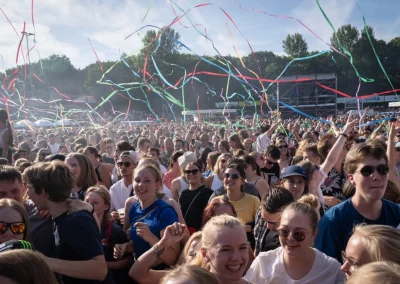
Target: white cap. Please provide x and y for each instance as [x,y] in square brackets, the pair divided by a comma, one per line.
[188,157]
[131,155]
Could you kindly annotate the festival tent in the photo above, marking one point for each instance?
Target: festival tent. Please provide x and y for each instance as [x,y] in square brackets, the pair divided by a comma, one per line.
[44,123]
[65,122]
[24,124]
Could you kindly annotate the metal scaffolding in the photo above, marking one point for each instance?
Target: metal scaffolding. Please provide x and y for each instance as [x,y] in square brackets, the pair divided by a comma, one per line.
[307,96]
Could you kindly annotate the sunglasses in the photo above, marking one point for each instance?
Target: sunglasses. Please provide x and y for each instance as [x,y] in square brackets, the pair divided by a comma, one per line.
[223,161]
[193,172]
[125,164]
[369,170]
[298,236]
[44,154]
[232,176]
[16,228]
[283,147]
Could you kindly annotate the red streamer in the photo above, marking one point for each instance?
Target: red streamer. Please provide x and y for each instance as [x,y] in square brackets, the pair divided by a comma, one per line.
[20,42]
[54,88]
[360,97]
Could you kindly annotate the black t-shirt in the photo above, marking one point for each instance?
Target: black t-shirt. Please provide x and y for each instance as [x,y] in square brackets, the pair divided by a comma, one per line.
[108,160]
[193,203]
[274,171]
[77,238]
[109,238]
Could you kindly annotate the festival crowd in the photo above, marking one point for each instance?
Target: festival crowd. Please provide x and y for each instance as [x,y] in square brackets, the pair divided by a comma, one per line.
[234,201]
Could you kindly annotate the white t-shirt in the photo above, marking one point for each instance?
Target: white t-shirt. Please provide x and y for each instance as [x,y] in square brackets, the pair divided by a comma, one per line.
[268,267]
[119,194]
[54,147]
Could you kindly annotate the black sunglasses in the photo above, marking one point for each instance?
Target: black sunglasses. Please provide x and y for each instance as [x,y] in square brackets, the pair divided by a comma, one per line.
[16,228]
[44,154]
[369,170]
[283,147]
[298,236]
[125,164]
[193,172]
[232,176]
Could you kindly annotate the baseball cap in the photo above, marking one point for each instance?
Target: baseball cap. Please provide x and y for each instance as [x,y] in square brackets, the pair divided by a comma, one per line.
[188,157]
[294,171]
[131,155]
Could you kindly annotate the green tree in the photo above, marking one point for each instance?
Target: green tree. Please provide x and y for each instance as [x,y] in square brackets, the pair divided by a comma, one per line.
[295,46]
[347,35]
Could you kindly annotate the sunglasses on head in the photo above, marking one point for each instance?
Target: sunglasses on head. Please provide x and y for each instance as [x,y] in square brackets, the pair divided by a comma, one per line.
[16,228]
[283,147]
[298,236]
[232,176]
[193,172]
[369,170]
[125,164]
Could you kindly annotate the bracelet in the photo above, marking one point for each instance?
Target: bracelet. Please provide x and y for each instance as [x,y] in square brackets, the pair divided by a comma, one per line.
[157,252]
[344,135]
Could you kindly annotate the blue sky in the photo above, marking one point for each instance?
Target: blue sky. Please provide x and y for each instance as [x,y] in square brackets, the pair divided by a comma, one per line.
[63,26]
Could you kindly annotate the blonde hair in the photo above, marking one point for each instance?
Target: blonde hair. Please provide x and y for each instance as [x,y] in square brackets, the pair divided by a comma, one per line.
[195,274]
[11,203]
[376,272]
[25,266]
[381,242]
[195,237]
[210,232]
[155,172]
[310,200]
[216,167]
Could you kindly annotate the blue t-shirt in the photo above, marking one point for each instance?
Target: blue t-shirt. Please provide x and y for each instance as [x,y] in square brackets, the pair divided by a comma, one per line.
[161,216]
[336,226]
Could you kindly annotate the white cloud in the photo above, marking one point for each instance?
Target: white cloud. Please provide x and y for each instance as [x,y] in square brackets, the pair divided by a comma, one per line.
[339,13]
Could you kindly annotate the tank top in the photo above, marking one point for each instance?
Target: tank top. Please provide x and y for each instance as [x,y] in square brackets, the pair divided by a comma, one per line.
[184,185]
[216,183]
[98,173]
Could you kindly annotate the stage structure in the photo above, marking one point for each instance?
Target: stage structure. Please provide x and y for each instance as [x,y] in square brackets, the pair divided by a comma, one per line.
[307,96]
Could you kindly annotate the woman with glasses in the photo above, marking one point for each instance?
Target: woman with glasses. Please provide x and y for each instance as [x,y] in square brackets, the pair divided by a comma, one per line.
[285,159]
[260,163]
[42,154]
[371,243]
[246,205]
[214,181]
[296,261]
[14,221]
[84,173]
[195,199]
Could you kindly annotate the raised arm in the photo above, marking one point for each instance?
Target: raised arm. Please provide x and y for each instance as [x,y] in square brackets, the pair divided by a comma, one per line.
[391,153]
[334,153]
[140,271]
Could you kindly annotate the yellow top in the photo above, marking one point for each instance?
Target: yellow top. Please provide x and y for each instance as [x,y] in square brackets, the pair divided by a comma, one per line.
[246,207]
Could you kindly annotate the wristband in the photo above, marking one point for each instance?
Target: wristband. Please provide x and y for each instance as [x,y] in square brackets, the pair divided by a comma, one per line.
[344,135]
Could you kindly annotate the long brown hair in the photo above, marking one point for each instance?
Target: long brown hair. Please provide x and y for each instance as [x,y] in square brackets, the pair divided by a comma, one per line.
[88,175]
[105,195]
[25,266]
[4,119]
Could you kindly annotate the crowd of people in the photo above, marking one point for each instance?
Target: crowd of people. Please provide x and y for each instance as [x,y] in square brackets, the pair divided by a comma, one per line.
[235,201]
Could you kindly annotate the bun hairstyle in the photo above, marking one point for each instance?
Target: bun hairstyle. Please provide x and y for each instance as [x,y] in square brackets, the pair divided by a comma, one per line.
[4,119]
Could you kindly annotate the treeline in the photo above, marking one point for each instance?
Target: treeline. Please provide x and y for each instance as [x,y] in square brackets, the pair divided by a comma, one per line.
[174,64]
